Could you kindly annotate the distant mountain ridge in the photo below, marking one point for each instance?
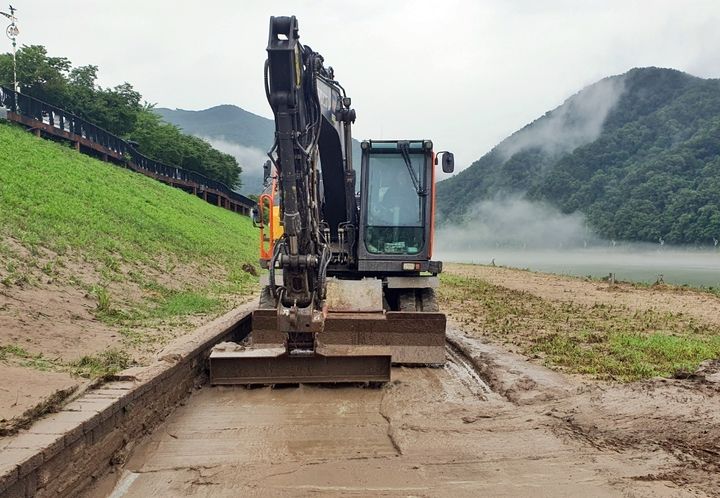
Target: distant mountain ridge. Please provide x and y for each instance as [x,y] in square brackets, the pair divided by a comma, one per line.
[235,131]
[638,154]
[231,122]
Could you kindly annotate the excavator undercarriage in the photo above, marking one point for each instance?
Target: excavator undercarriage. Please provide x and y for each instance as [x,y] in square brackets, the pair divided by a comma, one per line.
[359,341]
[350,283]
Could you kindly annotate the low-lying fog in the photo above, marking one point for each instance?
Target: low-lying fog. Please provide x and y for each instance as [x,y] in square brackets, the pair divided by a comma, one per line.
[517,233]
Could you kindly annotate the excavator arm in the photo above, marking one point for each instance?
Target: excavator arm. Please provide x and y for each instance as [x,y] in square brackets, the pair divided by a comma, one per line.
[316,181]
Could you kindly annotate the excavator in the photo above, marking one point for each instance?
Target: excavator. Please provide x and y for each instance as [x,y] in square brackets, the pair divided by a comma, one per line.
[350,286]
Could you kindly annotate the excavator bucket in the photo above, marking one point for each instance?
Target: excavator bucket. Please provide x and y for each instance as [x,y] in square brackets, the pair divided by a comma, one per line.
[354,347]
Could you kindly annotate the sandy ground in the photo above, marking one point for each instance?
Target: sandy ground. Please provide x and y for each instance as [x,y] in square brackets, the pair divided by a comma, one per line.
[23,388]
[47,309]
[431,432]
[700,305]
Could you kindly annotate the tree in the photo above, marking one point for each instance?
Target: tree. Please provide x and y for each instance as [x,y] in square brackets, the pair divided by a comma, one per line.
[38,74]
[119,110]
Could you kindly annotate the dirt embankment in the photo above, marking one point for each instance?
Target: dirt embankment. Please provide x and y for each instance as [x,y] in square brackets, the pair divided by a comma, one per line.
[65,321]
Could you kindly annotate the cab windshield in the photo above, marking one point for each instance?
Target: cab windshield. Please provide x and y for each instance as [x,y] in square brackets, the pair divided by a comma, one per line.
[396,202]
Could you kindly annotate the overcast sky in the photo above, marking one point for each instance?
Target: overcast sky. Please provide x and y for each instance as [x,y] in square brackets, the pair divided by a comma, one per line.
[465,74]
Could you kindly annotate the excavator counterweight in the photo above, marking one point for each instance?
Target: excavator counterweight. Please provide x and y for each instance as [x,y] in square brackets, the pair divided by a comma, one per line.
[351,284]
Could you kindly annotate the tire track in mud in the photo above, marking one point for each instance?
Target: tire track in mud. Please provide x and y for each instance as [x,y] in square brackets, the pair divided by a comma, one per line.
[461,368]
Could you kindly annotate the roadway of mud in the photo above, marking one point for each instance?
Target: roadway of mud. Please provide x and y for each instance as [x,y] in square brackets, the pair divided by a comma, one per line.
[430,432]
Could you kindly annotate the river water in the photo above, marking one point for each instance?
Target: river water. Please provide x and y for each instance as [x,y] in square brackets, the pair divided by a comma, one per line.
[676,266]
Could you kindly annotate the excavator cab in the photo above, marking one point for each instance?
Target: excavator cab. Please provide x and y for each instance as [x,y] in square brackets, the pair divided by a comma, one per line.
[397,207]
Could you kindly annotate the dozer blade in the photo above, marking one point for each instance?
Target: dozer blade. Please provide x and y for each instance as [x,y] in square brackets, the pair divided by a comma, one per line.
[412,338]
[272,365]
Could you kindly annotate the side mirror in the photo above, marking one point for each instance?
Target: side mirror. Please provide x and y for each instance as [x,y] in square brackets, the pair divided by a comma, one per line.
[448,161]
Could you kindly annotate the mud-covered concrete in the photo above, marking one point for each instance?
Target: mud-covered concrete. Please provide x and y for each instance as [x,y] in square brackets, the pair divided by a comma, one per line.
[452,431]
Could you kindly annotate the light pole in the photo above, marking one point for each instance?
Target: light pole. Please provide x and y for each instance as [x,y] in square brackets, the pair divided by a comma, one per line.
[12,32]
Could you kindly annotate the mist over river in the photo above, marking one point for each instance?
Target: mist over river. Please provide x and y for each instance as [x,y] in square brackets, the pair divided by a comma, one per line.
[676,265]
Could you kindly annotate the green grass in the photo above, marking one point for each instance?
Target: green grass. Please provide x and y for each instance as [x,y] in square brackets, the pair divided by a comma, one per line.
[604,341]
[53,197]
[12,350]
[103,365]
[185,303]
[110,232]
[161,304]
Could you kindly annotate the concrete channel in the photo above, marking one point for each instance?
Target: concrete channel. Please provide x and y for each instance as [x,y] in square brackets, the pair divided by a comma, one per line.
[64,453]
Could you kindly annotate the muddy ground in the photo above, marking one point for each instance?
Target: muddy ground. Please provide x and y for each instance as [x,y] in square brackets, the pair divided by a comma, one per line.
[490,422]
[703,306]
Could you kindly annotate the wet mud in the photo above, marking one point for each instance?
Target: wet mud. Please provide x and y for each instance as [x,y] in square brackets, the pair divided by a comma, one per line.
[488,423]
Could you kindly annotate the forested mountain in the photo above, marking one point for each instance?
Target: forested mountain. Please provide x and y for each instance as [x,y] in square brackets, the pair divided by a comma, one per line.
[244,135]
[638,154]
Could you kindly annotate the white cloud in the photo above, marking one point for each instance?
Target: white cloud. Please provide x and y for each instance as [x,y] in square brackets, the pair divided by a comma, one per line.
[578,122]
[251,159]
[465,74]
[514,222]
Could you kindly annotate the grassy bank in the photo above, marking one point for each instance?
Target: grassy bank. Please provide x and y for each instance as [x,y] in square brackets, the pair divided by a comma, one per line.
[602,340]
[53,197]
[145,261]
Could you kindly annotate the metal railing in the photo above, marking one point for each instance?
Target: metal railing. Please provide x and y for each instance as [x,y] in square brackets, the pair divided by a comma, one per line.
[63,123]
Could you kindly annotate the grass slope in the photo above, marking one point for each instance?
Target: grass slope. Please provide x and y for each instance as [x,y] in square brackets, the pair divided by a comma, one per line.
[54,197]
[151,261]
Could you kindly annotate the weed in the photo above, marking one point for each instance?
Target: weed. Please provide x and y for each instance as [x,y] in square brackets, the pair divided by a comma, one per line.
[13,350]
[111,263]
[27,359]
[48,268]
[101,365]
[103,299]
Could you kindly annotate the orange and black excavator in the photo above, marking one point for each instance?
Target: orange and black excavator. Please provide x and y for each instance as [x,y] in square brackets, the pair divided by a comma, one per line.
[350,283]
